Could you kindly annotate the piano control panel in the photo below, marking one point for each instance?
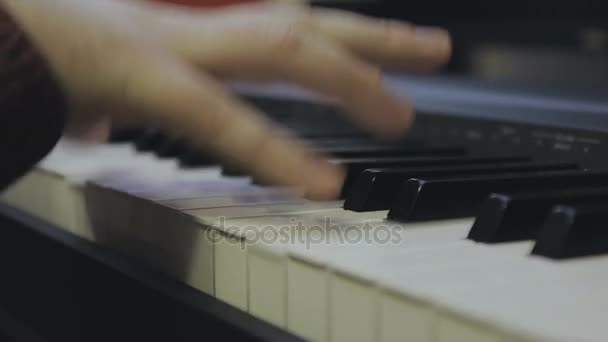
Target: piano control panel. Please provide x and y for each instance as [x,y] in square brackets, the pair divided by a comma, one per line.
[491,136]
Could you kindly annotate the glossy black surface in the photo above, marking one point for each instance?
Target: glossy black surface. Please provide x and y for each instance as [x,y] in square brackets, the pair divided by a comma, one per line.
[150,140]
[388,151]
[354,167]
[519,216]
[428,198]
[171,148]
[125,134]
[192,158]
[574,231]
[375,189]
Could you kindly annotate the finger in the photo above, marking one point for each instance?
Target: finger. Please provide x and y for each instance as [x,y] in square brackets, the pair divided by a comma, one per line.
[286,53]
[391,43]
[172,95]
[388,43]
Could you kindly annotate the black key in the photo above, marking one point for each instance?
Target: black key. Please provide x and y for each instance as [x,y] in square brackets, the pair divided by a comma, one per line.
[514,217]
[192,158]
[125,134]
[313,133]
[171,148]
[150,140]
[387,151]
[356,166]
[359,142]
[328,142]
[378,151]
[375,189]
[427,198]
[232,171]
[573,231]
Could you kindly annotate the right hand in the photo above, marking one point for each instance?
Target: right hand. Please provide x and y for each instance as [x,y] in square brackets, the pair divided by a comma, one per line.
[163,65]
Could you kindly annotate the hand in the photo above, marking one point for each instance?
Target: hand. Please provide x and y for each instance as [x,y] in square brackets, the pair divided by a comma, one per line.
[164,65]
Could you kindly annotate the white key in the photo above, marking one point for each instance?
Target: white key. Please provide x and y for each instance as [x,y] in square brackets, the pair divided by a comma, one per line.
[243,197]
[356,275]
[216,217]
[150,222]
[558,301]
[166,237]
[411,291]
[265,257]
[239,236]
[60,177]
[313,259]
[309,276]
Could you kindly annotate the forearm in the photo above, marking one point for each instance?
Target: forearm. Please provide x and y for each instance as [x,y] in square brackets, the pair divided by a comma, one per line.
[32,105]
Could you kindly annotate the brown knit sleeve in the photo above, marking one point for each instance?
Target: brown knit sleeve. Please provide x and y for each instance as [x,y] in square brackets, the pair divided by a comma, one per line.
[32,104]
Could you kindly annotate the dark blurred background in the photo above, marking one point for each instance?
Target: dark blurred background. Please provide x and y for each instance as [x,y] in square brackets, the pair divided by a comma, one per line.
[538,41]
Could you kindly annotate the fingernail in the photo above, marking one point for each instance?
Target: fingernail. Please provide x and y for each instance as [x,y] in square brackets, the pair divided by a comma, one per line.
[326,181]
[435,40]
[431,34]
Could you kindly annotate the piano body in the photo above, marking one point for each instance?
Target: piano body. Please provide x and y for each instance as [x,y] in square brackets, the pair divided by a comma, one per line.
[485,223]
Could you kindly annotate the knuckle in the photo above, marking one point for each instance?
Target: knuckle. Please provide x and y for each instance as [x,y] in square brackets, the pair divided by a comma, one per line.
[289,39]
[290,34]
[278,40]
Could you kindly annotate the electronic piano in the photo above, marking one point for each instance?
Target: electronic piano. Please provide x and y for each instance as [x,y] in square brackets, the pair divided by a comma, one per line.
[486,222]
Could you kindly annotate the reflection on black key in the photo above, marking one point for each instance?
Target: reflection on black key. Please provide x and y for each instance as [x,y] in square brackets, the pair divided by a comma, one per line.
[329,142]
[356,166]
[513,217]
[427,198]
[574,231]
[372,151]
[358,142]
[375,189]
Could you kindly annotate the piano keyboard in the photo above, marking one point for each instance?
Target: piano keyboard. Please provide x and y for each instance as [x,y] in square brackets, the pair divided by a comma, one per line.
[431,240]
